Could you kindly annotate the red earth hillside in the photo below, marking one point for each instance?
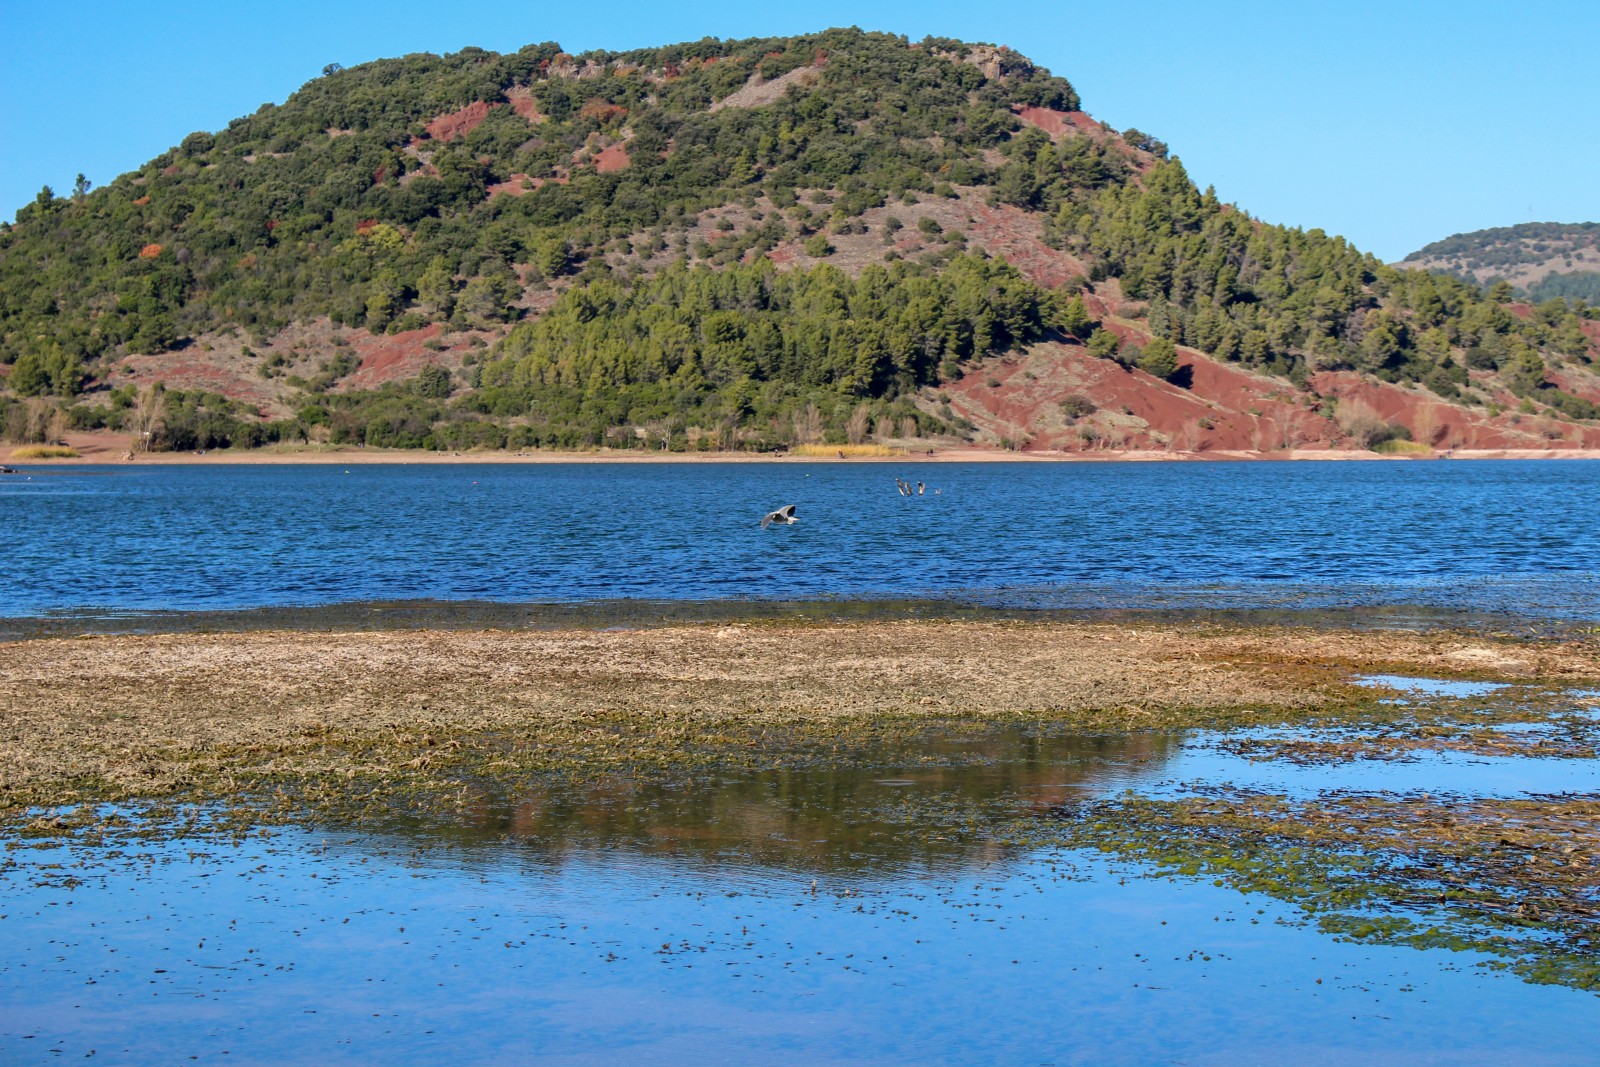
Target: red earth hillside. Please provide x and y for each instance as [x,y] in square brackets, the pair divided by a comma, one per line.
[459,123]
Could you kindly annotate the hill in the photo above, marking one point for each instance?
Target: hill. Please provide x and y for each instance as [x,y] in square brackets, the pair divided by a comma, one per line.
[747,244]
[1540,260]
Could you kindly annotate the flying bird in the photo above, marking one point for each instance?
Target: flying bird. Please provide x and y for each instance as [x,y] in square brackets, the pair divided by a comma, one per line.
[784,516]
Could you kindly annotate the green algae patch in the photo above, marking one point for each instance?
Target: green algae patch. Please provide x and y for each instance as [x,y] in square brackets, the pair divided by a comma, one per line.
[1515,879]
[1516,721]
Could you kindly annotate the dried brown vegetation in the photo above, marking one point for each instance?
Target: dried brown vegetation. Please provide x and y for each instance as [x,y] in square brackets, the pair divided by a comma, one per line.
[210,715]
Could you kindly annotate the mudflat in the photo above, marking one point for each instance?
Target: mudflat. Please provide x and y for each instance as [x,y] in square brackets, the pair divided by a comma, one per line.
[212,716]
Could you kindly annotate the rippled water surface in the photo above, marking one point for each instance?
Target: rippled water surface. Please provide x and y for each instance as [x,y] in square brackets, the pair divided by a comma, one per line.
[1510,536]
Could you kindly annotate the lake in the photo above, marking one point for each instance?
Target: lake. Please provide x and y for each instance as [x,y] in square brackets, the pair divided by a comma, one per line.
[1498,537]
[894,905]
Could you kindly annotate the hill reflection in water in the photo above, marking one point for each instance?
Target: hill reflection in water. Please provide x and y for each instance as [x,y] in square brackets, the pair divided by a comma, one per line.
[854,819]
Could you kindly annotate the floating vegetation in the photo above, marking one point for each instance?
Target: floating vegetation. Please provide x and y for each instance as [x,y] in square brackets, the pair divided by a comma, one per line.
[1518,879]
[1524,721]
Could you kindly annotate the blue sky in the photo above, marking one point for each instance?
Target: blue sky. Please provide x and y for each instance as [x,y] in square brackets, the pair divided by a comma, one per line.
[1391,124]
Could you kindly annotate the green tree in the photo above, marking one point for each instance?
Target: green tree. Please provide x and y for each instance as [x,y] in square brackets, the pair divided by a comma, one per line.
[1525,372]
[29,375]
[1160,358]
[553,257]
[817,246]
[384,299]
[1104,344]
[483,302]
[436,289]
[434,382]
[1075,318]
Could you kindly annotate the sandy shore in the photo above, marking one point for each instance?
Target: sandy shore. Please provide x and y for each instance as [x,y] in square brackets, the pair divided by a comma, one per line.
[98,448]
[209,715]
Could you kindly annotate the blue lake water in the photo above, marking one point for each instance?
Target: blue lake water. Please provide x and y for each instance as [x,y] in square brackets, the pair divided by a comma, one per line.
[792,916]
[1500,537]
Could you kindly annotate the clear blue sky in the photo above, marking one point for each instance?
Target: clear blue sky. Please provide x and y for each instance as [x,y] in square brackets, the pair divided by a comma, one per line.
[1394,124]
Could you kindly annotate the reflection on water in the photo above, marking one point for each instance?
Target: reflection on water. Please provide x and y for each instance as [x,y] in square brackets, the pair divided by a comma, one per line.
[795,916]
[834,819]
[1428,687]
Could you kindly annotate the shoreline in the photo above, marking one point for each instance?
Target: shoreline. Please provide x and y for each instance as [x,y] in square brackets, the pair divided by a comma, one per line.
[111,450]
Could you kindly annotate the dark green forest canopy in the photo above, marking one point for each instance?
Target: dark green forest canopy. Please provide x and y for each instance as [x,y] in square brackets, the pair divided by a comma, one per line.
[339,203]
[1292,301]
[882,334]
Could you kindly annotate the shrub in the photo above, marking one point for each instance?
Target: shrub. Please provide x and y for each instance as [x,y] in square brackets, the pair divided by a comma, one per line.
[44,452]
[853,451]
[1360,422]
[1076,406]
[817,246]
[1397,446]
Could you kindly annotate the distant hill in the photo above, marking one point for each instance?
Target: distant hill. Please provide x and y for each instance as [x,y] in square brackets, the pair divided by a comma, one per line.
[1540,260]
[735,244]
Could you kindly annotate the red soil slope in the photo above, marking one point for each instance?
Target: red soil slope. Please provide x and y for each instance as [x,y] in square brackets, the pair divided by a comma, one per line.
[459,123]
[611,159]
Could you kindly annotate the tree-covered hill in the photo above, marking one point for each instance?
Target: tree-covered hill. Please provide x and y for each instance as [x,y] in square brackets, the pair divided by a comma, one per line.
[723,243]
[1540,260]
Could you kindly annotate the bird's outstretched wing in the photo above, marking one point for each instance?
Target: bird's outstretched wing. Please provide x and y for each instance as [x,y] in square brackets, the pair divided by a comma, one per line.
[783,515]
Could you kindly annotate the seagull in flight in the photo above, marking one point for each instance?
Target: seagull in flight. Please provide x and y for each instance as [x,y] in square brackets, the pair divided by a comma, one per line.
[784,516]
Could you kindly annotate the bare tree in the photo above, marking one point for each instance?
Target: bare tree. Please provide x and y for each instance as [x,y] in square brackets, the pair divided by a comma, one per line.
[856,429]
[35,421]
[808,425]
[145,417]
[1299,428]
[1425,428]
[1359,420]
[1187,439]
